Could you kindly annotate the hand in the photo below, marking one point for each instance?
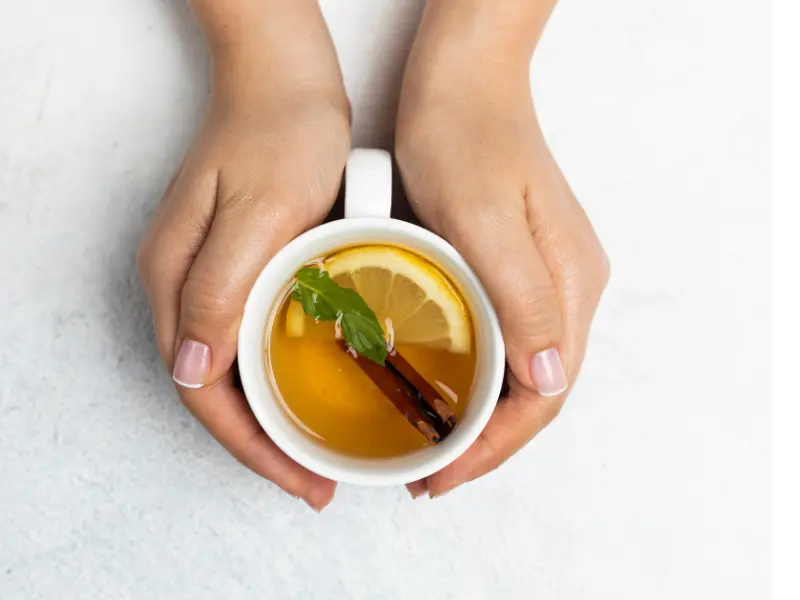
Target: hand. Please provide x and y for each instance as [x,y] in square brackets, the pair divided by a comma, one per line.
[477,170]
[265,166]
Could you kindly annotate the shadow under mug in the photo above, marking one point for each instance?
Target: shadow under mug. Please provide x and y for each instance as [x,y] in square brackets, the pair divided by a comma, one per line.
[368,199]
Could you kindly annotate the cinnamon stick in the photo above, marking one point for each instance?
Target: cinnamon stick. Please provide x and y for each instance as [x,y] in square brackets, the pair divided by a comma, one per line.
[429,394]
[410,393]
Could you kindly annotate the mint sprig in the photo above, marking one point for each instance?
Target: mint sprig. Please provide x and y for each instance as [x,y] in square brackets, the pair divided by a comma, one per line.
[325,300]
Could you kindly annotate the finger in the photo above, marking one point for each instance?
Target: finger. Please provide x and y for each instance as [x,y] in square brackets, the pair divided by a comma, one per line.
[497,243]
[523,413]
[515,421]
[246,232]
[417,488]
[221,408]
[224,411]
[580,274]
[169,247]
[571,251]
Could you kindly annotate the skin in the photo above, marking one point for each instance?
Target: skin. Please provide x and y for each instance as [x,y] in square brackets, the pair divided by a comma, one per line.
[265,166]
[478,171]
[267,163]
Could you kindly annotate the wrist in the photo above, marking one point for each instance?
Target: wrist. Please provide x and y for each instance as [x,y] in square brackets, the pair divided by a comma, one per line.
[267,48]
[509,28]
[232,24]
[256,79]
[480,40]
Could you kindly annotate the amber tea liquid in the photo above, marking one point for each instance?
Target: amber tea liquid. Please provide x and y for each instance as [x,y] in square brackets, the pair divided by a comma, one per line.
[330,397]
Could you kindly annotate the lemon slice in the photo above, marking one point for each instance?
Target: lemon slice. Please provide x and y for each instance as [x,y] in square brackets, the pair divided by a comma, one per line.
[413,301]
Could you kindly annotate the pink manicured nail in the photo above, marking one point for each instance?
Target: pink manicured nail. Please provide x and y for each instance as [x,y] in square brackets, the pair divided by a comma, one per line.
[192,365]
[547,373]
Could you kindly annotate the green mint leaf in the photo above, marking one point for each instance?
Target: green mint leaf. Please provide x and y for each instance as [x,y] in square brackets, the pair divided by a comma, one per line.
[325,300]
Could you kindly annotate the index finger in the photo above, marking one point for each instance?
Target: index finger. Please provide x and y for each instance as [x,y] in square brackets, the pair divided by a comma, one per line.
[517,419]
[223,411]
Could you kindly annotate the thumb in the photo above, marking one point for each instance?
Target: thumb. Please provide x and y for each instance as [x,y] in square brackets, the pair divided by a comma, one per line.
[216,289]
[501,250]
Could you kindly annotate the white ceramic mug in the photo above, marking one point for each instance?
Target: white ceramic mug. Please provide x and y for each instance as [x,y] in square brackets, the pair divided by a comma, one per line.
[368,200]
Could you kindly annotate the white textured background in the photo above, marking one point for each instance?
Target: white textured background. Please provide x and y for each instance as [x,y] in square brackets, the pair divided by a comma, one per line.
[654,481]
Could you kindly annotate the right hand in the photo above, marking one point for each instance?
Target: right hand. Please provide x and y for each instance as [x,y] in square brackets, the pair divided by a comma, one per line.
[477,170]
[265,166]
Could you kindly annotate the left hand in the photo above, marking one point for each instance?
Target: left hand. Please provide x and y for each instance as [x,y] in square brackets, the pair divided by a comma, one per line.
[477,170]
[265,166]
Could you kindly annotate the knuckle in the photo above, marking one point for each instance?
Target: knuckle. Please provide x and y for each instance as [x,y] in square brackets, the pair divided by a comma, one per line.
[604,269]
[598,271]
[145,258]
[596,263]
[488,446]
[154,260]
[266,210]
[493,453]
[489,456]
[248,452]
[587,272]
[239,205]
[540,302]
[491,219]
[205,302]
[537,314]
[276,214]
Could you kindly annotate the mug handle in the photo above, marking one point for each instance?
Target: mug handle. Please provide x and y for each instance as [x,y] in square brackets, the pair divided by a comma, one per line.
[368,184]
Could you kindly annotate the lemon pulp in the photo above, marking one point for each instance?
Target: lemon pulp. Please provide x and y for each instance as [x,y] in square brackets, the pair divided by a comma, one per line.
[414,302]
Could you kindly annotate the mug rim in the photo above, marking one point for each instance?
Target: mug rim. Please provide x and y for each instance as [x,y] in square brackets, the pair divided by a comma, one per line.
[264,399]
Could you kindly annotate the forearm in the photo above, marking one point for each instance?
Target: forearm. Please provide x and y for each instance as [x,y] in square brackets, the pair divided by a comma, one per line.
[477,41]
[507,26]
[269,43]
[473,49]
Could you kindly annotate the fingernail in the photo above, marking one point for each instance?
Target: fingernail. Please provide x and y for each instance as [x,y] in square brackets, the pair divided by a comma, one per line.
[417,488]
[192,365]
[547,372]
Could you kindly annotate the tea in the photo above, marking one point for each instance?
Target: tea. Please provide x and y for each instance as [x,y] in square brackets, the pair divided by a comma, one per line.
[340,401]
